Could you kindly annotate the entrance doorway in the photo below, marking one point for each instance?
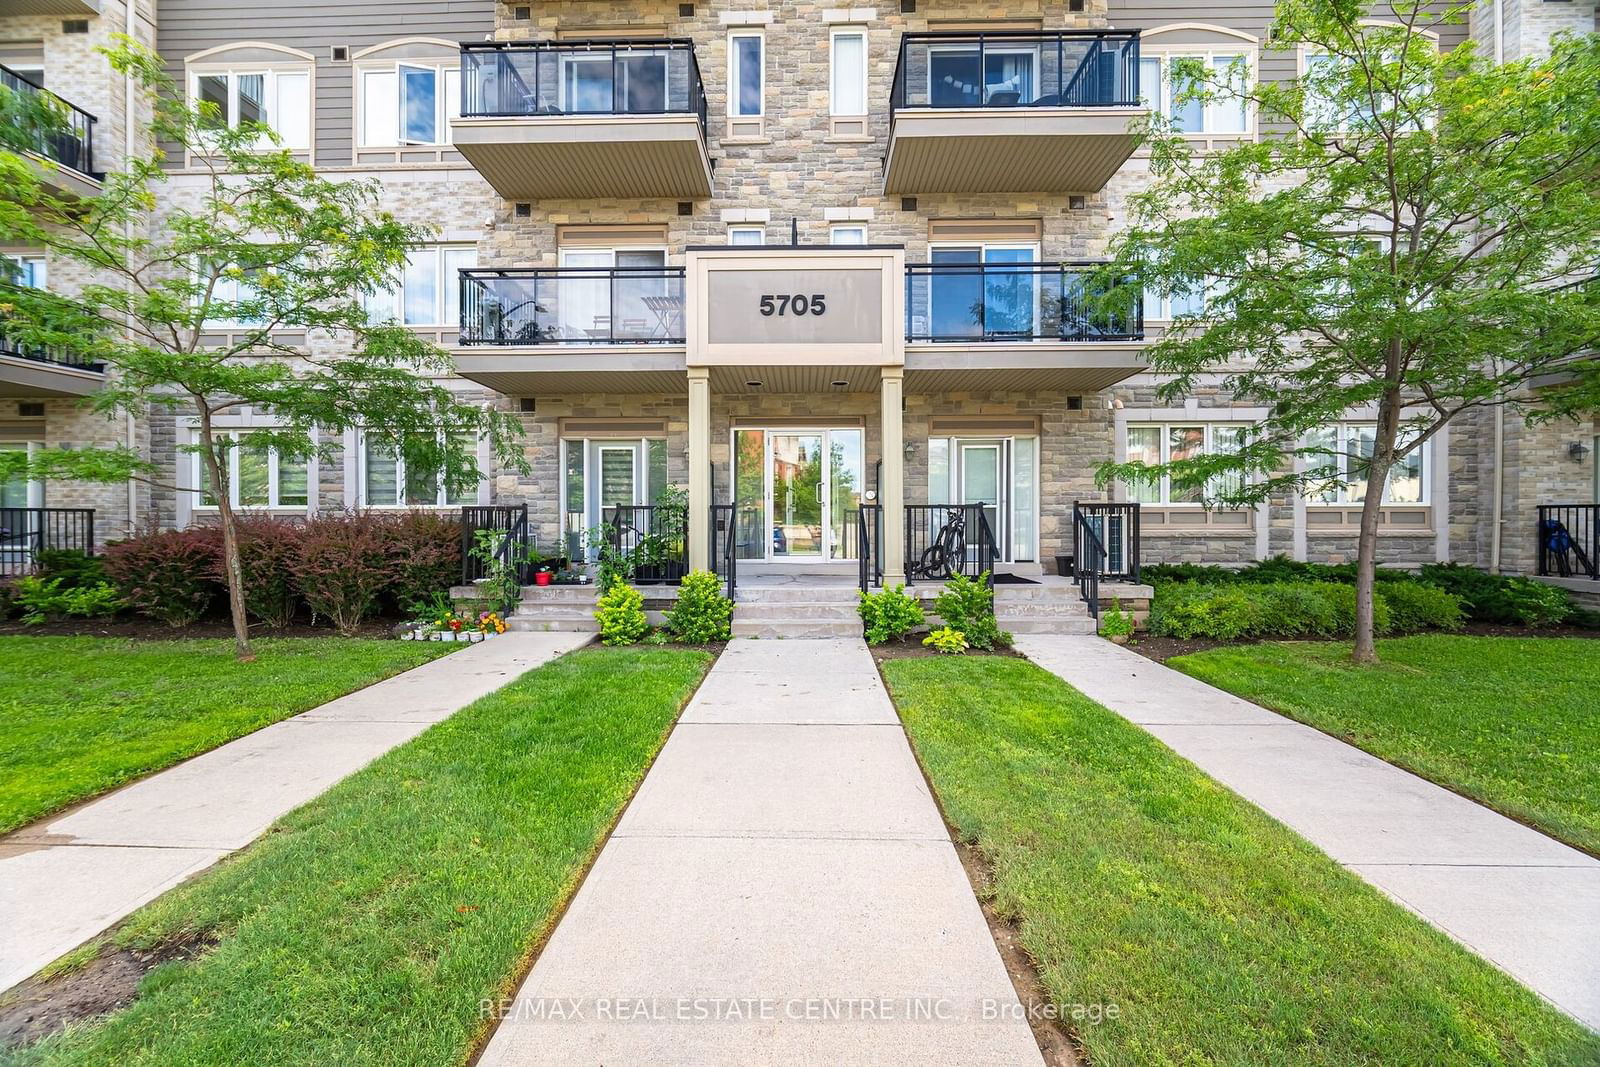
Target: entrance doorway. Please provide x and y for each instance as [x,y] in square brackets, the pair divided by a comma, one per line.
[797,493]
[1001,473]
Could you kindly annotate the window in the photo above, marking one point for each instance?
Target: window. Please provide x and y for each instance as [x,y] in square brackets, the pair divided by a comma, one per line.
[746,76]
[386,483]
[1344,452]
[280,99]
[999,295]
[852,234]
[228,291]
[258,477]
[17,491]
[1176,304]
[429,290]
[997,74]
[26,271]
[409,104]
[1162,88]
[747,235]
[1155,444]
[626,296]
[848,95]
[602,473]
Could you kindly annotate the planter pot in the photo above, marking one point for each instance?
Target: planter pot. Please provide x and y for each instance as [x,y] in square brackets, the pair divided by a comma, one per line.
[1064,566]
[542,578]
[1117,639]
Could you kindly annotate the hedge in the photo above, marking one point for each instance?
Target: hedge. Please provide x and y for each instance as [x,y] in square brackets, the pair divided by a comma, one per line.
[1295,609]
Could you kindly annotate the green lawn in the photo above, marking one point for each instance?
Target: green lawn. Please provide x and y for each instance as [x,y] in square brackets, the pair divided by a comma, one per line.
[1512,722]
[368,926]
[81,715]
[1220,936]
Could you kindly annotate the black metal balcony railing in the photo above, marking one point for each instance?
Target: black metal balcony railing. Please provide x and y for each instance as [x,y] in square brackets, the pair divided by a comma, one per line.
[1071,68]
[10,346]
[572,305]
[1569,540]
[66,136]
[526,79]
[25,532]
[1014,301]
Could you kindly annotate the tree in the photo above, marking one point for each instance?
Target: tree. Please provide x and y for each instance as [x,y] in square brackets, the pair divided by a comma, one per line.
[1416,233]
[280,255]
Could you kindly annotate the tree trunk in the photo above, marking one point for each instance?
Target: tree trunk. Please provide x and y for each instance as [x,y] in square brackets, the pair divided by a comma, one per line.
[1383,444]
[230,545]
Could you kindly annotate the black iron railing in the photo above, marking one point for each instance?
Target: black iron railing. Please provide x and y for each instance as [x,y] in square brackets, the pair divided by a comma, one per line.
[25,532]
[509,524]
[1016,301]
[1117,525]
[943,540]
[724,546]
[654,537]
[868,524]
[1089,553]
[572,305]
[528,79]
[1569,540]
[1017,69]
[63,133]
[10,346]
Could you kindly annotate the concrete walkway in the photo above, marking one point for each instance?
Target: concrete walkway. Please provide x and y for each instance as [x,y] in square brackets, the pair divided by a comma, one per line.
[781,891]
[67,878]
[1523,901]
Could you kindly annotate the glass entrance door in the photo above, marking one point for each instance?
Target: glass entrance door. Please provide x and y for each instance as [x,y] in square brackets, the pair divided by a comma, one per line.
[796,493]
[981,466]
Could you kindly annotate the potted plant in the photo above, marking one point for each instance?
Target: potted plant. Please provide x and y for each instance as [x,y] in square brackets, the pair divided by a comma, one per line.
[1116,624]
[537,564]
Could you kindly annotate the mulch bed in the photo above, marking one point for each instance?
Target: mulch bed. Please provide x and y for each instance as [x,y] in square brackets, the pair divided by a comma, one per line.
[152,630]
[913,648]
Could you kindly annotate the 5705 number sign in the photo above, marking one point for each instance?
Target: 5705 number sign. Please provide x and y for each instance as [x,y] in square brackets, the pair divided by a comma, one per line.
[798,304]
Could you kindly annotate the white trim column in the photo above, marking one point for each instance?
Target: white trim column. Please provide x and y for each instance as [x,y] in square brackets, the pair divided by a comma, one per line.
[893,490]
[699,458]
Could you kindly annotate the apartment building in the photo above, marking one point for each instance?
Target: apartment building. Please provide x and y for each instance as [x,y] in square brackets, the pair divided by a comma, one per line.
[821,267]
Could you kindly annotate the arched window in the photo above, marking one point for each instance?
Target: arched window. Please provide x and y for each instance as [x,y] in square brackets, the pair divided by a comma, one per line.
[256,82]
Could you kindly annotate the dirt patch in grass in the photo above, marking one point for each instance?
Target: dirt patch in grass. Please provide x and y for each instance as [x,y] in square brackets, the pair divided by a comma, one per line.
[45,1004]
[913,648]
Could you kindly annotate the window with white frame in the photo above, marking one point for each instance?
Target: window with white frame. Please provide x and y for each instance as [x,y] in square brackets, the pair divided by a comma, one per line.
[386,482]
[1163,89]
[229,289]
[848,75]
[258,476]
[746,74]
[849,233]
[1343,453]
[409,102]
[428,290]
[27,271]
[1178,303]
[277,98]
[1155,444]
[747,235]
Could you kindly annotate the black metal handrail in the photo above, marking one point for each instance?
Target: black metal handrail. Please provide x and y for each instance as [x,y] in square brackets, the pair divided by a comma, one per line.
[42,354]
[1089,554]
[529,79]
[1117,525]
[572,305]
[68,138]
[943,540]
[1016,301]
[655,537]
[25,532]
[869,545]
[1569,541]
[724,546]
[510,521]
[1016,69]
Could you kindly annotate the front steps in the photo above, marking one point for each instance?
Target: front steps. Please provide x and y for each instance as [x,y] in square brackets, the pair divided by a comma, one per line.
[796,608]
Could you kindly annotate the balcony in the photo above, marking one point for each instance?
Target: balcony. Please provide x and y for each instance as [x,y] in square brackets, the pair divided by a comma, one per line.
[573,329]
[65,136]
[28,370]
[1011,112]
[584,119]
[1017,326]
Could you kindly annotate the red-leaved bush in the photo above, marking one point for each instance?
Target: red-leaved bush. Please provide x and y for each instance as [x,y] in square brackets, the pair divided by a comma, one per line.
[169,576]
[424,553]
[343,565]
[268,549]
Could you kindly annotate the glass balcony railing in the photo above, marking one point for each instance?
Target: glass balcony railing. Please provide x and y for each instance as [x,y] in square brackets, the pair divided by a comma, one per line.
[1011,69]
[572,305]
[528,79]
[1015,302]
[61,132]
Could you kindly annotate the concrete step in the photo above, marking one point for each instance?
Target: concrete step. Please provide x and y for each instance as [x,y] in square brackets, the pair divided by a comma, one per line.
[793,629]
[795,610]
[585,625]
[780,594]
[1049,626]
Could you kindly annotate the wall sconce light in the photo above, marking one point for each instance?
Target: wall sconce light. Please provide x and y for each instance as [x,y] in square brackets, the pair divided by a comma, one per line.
[1576,451]
[910,449]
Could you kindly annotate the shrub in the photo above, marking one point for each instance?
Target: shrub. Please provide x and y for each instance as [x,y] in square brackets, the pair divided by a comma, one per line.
[342,566]
[702,614]
[1116,622]
[1267,571]
[75,568]
[42,599]
[1156,573]
[168,576]
[267,552]
[620,612]
[1299,609]
[1497,598]
[1343,599]
[1414,607]
[425,554]
[946,641]
[967,604]
[1219,612]
[889,613]
[1278,609]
